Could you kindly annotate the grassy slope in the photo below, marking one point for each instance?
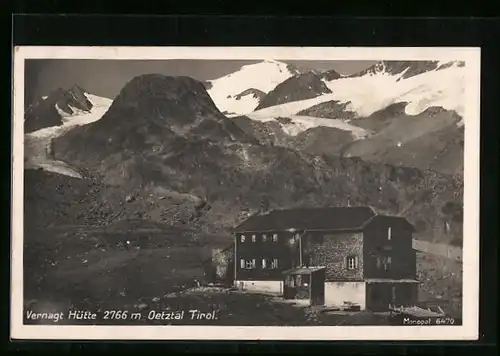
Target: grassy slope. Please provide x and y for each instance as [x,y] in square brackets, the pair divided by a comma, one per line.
[76,264]
[441,280]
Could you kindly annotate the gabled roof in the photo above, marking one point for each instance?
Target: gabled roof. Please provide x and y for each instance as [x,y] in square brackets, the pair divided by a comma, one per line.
[330,218]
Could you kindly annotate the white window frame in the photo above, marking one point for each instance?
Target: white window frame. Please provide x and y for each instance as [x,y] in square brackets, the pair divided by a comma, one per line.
[389,233]
[254,238]
[352,262]
[275,237]
[242,238]
[264,237]
[264,263]
[274,263]
[242,263]
[250,264]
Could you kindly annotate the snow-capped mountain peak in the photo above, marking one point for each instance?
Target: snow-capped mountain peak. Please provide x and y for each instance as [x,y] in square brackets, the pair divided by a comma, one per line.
[263,77]
[38,142]
[377,87]
[420,84]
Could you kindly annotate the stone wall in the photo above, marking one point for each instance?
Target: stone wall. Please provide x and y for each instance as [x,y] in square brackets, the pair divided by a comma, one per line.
[331,251]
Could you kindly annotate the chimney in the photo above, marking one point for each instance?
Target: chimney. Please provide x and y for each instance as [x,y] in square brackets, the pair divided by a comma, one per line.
[264,205]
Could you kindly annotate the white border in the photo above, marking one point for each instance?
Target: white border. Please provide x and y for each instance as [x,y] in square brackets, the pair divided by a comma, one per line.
[469,329]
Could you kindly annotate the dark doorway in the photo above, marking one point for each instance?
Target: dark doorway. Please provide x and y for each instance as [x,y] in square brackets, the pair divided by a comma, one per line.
[379,296]
[307,283]
[297,287]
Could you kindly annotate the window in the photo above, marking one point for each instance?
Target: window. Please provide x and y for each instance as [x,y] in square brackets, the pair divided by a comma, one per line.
[393,293]
[254,237]
[247,264]
[274,263]
[387,262]
[264,238]
[264,263]
[242,238]
[352,262]
[389,233]
[275,237]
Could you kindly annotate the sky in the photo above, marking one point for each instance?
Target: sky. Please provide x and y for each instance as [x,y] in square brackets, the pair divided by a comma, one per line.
[107,77]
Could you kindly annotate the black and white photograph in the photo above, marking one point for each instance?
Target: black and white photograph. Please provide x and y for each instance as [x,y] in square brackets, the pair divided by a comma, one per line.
[245,193]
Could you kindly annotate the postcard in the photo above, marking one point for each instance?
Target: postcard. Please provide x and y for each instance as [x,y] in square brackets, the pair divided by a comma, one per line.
[245,193]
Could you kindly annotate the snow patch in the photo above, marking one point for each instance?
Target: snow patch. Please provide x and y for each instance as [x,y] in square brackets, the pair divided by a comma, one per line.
[301,123]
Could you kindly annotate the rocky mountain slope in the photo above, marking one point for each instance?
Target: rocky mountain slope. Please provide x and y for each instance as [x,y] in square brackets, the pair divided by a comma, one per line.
[255,93]
[330,110]
[299,87]
[430,140]
[51,110]
[316,140]
[405,69]
[166,134]
[330,75]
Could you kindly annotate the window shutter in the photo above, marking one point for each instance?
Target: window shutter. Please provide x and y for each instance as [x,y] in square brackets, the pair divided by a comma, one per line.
[253,263]
[242,263]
